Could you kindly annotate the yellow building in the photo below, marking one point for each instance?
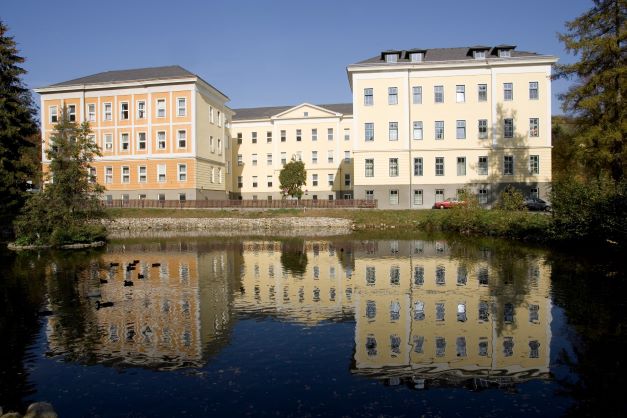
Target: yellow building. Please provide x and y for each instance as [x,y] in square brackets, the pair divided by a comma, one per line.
[163,131]
[423,125]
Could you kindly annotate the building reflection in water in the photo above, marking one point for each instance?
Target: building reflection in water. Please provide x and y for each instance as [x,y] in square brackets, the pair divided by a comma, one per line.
[426,314]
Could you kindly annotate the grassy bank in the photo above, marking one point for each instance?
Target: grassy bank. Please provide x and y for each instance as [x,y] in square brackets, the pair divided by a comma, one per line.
[520,225]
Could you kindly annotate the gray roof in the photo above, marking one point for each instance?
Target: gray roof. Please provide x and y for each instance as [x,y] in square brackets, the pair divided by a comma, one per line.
[446,54]
[136,74]
[267,112]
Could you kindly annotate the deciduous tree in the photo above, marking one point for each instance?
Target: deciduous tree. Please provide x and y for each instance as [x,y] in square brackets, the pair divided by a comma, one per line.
[293,177]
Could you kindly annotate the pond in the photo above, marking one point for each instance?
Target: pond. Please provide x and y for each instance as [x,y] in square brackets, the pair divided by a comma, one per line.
[312,327]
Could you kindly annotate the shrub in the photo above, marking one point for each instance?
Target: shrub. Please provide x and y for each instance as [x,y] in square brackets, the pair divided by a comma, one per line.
[511,199]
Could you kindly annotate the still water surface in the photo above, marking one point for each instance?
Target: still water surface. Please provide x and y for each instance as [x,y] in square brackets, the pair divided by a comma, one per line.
[352,327]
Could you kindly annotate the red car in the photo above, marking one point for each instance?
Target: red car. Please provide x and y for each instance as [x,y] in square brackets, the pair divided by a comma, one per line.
[449,203]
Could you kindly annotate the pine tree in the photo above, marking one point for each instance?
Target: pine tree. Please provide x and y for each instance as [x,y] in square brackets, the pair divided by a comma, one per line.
[18,131]
[597,100]
[68,208]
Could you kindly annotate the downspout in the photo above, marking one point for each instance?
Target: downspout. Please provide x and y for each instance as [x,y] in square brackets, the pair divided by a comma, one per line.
[409,142]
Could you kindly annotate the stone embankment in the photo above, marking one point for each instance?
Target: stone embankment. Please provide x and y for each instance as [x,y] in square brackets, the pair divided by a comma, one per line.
[35,410]
[315,226]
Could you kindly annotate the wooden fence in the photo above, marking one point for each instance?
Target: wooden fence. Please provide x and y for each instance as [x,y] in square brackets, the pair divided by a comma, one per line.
[240,204]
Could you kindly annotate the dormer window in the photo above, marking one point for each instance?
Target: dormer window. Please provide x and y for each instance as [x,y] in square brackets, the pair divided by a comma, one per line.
[391,58]
[479,54]
[415,56]
[505,53]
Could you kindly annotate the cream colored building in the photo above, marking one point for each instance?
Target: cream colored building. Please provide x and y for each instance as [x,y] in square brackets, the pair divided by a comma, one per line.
[428,122]
[163,131]
[264,139]
[423,124]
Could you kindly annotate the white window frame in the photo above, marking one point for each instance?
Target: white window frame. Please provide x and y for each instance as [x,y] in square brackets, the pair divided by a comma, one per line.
[418,197]
[141,109]
[125,174]
[460,93]
[482,92]
[330,156]
[71,113]
[314,179]
[125,145]
[534,90]
[142,178]
[269,158]
[392,96]
[461,166]
[140,141]
[508,165]
[161,109]
[181,172]
[417,131]
[439,166]
[330,179]
[162,172]
[508,92]
[314,157]
[125,114]
[54,114]
[108,175]
[368,96]
[314,134]
[534,164]
[416,94]
[418,166]
[369,167]
[330,134]
[108,142]
[369,131]
[508,128]
[534,127]
[482,128]
[107,111]
[393,167]
[460,129]
[393,197]
[438,94]
[162,144]
[393,131]
[181,139]
[439,130]
[482,166]
[91,112]
[347,134]
[181,111]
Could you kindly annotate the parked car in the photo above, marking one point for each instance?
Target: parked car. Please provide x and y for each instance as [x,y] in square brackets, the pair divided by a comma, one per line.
[536,204]
[449,203]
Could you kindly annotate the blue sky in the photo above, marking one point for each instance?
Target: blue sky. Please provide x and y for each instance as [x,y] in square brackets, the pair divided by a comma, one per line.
[263,52]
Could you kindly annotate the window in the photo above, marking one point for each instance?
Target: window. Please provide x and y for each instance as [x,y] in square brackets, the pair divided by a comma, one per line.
[461,166]
[508,91]
[54,116]
[482,166]
[369,131]
[330,179]
[182,172]
[240,139]
[219,146]
[534,127]
[71,113]
[219,175]
[392,95]
[417,94]
[347,134]
[368,97]
[415,56]
[255,183]
[460,132]
[269,181]
[141,174]
[347,157]
[330,156]
[161,173]
[181,106]
[268,137]
[126,174]
[240,182]
[369,167]
[254,137]
[219,118]
[505,53]
[534,164]
[479,55]
[254,159]
[483,196]
[124,111]
[124,144]
[439,94]
[314,134]
[393,131]
[508,165]
[161,140]
[182,197]
[508,128]
[439,166]
[92,175]
[418,200]
[439,129]
[91,112]
[141,140]
[161,196]
[283,136]
[483,128]
[369,194]
[460,93]
[299,135]
[418,167]
[305,114]
[181,137]
[391,58]
[393,167]
[314,157]
[330,134]
[108,175]
[314,179]
[533,90]
[161,108]
[440,276]
[393,197]
[107,111]
[482,92]
[141,109]
[347,180]
[269,158]
[211,115]
[108,142]
[283,158]
[417,132]
[535,192]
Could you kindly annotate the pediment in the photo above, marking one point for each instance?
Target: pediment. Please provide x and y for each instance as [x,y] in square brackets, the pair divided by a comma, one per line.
[305,111]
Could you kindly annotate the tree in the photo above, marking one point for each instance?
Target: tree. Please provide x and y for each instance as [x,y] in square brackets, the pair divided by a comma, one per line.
[66,211]
[598,37]
[18,131]
[292,178]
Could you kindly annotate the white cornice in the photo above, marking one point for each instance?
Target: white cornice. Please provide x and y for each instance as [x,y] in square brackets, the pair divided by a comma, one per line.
[118,85]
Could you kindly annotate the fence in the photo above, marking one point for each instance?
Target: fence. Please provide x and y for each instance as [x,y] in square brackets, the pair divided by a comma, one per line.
[240,204]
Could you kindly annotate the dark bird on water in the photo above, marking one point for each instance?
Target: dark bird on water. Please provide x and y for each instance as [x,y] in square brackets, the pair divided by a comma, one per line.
[103,304]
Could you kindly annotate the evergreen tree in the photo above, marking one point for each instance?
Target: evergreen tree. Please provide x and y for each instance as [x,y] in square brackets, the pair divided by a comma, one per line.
[18,131]
[293,177]
[597,100]
[68,208]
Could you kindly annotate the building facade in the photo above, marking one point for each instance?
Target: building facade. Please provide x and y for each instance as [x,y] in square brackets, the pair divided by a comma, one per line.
[423,125]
